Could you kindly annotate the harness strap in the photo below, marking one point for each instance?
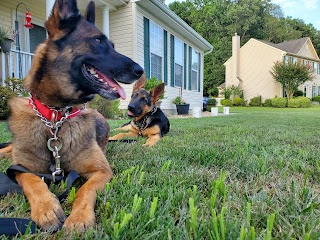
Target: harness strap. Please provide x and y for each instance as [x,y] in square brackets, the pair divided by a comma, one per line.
[13,226]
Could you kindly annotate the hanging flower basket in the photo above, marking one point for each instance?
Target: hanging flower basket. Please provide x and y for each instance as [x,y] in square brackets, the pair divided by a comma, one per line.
[6,45]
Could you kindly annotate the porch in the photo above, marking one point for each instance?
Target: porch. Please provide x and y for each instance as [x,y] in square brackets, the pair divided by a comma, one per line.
[13,15]
[14,64]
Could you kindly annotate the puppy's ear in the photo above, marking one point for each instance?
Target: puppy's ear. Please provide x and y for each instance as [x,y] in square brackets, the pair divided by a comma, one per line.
[90,14]
[141,83]
[156,92]
[63,19]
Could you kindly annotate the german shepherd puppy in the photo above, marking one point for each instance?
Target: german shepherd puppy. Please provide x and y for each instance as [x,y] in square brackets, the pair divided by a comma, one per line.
[148,120]
[76,62]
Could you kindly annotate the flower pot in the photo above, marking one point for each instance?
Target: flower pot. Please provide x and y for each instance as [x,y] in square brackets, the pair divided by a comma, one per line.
[183,109]
[6,45]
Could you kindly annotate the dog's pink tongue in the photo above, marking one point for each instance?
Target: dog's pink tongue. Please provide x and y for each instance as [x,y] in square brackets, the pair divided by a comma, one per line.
[121,92]
[130,113]
[113,84]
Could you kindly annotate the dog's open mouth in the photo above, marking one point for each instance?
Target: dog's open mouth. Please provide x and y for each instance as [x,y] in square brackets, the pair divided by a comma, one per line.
[104,86]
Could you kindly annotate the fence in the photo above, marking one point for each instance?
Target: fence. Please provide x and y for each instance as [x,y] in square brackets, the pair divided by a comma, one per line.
[15,64]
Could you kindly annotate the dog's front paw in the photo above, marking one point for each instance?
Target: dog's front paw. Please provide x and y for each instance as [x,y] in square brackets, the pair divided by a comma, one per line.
[48,214]
[79,221]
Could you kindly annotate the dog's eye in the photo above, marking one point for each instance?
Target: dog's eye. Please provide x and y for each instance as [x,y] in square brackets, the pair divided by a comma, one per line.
[98,40]
[134,95]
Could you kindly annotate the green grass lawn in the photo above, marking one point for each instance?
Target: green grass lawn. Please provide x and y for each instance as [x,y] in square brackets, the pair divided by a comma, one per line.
[254,174]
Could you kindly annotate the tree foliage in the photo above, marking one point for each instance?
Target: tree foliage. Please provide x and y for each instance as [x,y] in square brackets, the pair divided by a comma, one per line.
[291,75]
[218,20]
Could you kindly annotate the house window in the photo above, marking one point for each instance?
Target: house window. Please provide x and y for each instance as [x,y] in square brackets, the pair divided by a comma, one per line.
[178,62]
[318,90]
[37,35]
[194,70]
[314,91]
[156,50]
[318,69]
[304,91]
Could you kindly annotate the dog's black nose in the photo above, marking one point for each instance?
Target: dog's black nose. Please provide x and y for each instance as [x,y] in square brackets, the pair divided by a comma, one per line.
[131,107]
[138,70]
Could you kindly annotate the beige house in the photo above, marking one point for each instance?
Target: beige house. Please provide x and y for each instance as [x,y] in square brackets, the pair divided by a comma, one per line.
[250,66]
[145,30]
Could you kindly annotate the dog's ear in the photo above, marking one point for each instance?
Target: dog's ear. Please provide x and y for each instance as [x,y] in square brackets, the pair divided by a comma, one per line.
[90,14]
[63,19]
[156,92]
[141,83]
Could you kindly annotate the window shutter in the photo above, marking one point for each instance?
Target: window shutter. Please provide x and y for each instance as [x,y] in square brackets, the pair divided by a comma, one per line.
[146,46]
[190,67]
[199,70]
[165,57]
[185,67]
[172,59]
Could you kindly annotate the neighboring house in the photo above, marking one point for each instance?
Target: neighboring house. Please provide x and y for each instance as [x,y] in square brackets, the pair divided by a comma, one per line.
[250,66]
[145,30]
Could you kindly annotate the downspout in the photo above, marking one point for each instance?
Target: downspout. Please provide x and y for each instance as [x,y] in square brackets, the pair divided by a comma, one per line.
[206,53]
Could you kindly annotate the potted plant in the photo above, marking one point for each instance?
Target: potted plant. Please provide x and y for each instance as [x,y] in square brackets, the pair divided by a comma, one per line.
[5,40]
[152,82]
[181,105]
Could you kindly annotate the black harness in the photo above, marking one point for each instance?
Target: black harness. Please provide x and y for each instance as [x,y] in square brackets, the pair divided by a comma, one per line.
[8,184]
[145,121]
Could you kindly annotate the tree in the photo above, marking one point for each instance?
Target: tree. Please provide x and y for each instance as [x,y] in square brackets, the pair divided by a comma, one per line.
[291,75]
[218,20]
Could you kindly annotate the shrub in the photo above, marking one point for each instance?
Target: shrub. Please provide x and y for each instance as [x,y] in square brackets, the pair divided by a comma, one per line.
[14,87]
[5,94]
[212,101]
[267,102]
[304,102]
[298,93]
[108,108]
[299,102]
[293,103]
[279,102]
[256,101]
[151,83]
[238,101]
[226,102]
[316,99]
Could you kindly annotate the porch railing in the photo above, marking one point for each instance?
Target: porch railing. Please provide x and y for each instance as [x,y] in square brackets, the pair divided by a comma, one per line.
[15,64]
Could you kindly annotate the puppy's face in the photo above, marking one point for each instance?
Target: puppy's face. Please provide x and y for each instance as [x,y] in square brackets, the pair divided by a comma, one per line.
[140,104]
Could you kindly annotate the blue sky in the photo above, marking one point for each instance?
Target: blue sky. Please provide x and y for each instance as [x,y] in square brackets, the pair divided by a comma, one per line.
[307,10]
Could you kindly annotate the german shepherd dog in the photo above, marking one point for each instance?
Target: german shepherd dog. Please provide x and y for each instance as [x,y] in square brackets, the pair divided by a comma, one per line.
[148,120]
[76,62]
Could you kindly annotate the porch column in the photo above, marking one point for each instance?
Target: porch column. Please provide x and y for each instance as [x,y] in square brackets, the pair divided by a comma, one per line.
[49,6]
[105,21]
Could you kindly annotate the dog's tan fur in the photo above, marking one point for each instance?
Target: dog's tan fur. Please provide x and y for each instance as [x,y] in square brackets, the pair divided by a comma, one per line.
[152,133]
[83,137]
